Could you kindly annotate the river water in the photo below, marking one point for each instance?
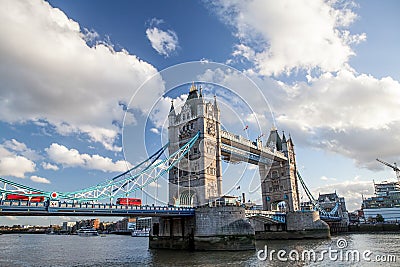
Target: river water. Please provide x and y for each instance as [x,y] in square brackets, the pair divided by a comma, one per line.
[113,250]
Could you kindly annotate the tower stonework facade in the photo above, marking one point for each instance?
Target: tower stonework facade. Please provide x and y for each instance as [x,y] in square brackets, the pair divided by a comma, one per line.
[279,181]
[197,178]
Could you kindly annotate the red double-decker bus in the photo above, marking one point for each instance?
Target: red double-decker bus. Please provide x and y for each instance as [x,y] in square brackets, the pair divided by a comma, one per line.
[25,197]
[129,201]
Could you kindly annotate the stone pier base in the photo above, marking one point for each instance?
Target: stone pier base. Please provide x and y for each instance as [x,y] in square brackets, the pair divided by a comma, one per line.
[212,228]
[299,225]
[165,242]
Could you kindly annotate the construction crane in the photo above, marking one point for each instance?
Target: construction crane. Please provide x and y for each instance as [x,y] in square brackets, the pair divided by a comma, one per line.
[393,166]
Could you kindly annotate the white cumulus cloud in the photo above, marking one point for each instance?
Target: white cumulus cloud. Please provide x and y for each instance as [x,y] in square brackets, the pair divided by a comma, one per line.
[21,148]
[41,180]
[352,190]
[353,115]
[50,74]
[155,130]
[49,166]
[285,36]
[12,164]
[165,42]
[73,158]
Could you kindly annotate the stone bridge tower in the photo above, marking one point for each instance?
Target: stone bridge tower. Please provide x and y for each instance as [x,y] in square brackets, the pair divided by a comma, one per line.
[197,178]
[279,180]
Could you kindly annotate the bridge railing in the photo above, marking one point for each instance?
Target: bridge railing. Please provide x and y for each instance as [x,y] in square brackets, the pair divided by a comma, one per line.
[276,216]
[24,203]
[238,138]
[264,212]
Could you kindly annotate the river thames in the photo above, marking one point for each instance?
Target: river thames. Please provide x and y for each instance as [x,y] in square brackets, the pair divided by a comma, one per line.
[114,250]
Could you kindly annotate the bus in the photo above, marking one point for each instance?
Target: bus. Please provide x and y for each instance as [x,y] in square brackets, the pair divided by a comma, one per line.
[25,197]
[129,201]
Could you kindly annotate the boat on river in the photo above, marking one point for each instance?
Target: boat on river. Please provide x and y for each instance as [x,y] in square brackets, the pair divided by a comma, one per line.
[141,232]
[87,231]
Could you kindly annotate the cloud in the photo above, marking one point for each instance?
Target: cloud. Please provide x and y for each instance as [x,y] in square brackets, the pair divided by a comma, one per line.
[354,115]
[242,102]
[12,164]
[90,36]
[15,145]
[335,108]
[286,36]
[50,74]
[38,179]
[49,166]
[160,111]
[154,184]
[155,130]
[351,190]
[22,149]
[324,178]
[69,219]
[72,158]
[165,42]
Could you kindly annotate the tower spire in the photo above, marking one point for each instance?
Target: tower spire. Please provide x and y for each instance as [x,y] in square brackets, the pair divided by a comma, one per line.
[193,88]
[283,137]
[284,144]
[193,92]
[215,103]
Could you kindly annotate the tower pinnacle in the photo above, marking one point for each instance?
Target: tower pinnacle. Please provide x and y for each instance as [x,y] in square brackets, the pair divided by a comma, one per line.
[193,88]
[193,92]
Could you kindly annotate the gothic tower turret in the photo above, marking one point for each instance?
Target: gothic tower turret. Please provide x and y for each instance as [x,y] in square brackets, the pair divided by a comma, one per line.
[197,179]
[279,180]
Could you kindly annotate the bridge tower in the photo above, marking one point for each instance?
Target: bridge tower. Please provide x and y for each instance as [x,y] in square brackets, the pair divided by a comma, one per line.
[279,181]
[197,179]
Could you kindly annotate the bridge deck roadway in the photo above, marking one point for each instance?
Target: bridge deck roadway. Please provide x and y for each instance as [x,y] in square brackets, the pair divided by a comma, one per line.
[25,208]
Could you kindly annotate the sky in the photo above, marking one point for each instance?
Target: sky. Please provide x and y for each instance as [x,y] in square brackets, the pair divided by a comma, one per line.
[329,70]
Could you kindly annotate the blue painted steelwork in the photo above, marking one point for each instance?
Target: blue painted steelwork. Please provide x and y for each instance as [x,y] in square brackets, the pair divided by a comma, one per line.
[279,217]
[10,187]
[122,187]
[119,186]
[276,217]
[57,208]
[332,215]
[145,164]
[242,155]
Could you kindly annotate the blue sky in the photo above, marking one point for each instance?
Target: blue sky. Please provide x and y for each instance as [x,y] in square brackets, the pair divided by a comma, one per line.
[329,69]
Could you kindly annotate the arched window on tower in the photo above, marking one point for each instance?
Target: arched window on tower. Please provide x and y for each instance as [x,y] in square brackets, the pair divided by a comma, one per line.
[274,174]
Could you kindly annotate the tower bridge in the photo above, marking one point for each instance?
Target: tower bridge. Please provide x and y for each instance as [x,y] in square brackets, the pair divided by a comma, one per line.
[197,146]
[198,180]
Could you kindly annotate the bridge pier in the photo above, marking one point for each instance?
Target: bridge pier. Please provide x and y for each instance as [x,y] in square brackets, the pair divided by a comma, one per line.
[299,225]
[212,228]
[337,227]
[172,233]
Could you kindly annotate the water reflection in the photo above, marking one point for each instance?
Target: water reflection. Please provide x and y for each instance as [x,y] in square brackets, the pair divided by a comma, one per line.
[45,250]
